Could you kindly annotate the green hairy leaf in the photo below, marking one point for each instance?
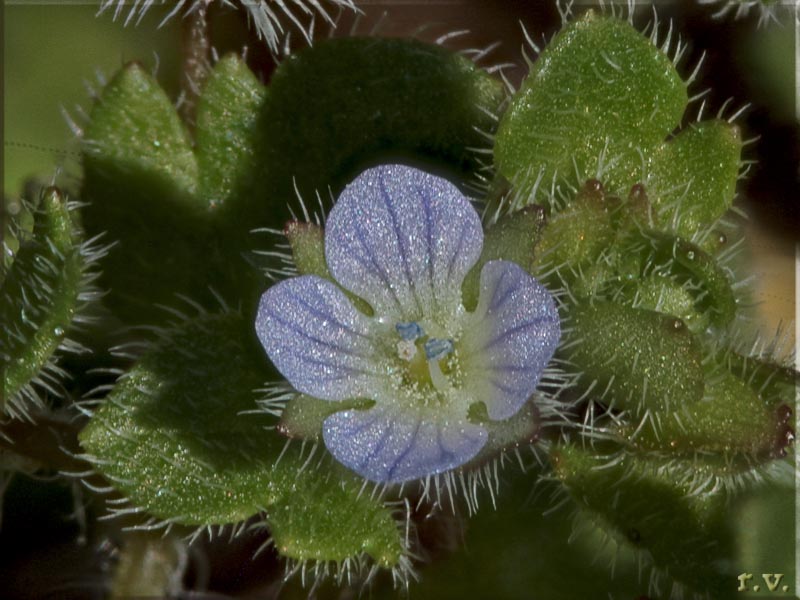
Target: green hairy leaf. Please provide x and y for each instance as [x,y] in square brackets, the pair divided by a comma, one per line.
[39,300]
[597,96]
[178,437]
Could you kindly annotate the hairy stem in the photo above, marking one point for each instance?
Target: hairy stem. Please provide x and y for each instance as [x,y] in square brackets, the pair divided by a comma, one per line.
[196,59]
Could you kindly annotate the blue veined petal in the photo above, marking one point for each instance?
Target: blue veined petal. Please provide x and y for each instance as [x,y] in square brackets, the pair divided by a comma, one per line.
[403,240]
[509,339]
[318,340]
[389,444]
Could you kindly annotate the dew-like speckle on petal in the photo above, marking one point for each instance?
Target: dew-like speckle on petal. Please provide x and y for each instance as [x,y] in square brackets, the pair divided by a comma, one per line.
[318,340]
[388,445]
[509,339]
[403,240]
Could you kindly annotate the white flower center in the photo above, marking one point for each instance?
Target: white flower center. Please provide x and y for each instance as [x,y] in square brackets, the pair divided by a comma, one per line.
[423,369]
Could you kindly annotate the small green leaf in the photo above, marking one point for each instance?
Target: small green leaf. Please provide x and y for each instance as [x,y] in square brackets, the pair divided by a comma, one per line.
[365,100]
[665,295]
[40,297]
[692,178]
[513,237]
[175,437]
[643,505]
[597,96]
[226,129]
[636,359]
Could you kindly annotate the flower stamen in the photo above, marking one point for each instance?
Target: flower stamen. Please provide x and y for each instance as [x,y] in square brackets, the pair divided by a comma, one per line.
[409,331]
[436,348]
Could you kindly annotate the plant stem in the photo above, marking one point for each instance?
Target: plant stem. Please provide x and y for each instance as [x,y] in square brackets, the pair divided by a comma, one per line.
[196,59]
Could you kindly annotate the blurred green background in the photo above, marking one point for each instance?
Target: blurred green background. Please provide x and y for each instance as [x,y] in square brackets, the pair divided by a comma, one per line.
[53,53]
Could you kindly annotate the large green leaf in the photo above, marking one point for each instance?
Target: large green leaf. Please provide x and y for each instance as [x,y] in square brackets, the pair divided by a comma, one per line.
[346,103]
[175,438]
[159,199]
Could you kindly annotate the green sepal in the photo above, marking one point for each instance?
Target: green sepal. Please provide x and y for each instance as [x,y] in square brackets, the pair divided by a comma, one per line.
[692,178]
[658,271]
[774,382]
[636,359]
[667,296]
[307,241]
[731,420]
[227,132]
[40,296]
[366,100]
[179,437]
[521,430]
[303,416]
[597,96]
[644,506]
[513,237]
[576,235]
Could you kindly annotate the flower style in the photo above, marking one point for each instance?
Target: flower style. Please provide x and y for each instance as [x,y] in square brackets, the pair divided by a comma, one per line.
[404,240]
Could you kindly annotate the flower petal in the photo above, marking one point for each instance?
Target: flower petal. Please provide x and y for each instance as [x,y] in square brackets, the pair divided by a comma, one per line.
[403,240]
[388,444]
[510,338]
[317,339]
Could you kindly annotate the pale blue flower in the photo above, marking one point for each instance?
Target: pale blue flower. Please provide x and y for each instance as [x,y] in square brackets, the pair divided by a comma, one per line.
[403,241]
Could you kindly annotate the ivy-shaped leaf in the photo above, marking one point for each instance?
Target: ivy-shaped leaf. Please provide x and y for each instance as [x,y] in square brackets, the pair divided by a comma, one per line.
[600,102]
[174,437]
[597,96]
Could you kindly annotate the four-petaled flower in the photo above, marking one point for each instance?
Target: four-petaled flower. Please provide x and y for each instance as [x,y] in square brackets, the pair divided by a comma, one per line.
[403,241]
